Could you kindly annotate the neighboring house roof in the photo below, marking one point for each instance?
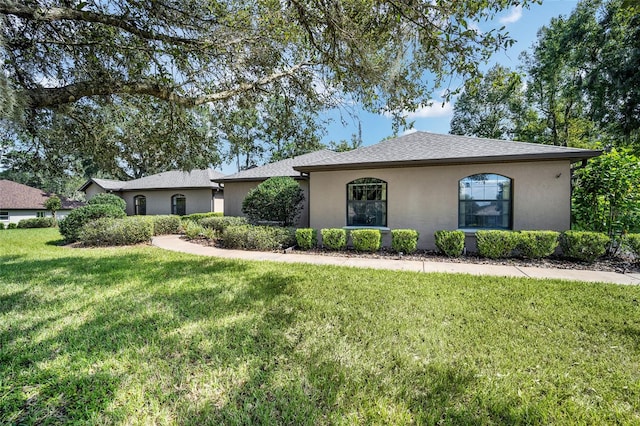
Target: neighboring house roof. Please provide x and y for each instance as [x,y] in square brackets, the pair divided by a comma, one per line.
[164,180]
[16,196]
[422,148]
[279,168]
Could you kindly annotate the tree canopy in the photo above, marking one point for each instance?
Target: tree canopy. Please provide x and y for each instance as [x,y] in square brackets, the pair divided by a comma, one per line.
[112,86]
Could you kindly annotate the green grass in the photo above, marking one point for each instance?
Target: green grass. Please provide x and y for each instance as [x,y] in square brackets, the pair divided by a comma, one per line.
[143,336]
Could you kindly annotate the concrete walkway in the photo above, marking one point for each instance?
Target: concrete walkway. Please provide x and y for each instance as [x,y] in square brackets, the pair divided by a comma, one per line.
[175,243]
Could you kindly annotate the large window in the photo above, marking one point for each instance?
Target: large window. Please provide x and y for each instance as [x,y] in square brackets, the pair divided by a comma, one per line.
[367,202]
[140,205]
[485,202]
[4,215]
[40,214]
[179,205]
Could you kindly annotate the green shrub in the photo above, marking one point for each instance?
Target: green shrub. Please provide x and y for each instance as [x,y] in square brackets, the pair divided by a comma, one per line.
[537,244]
[632,241]
[451,243]
[166,224]
[71,225]
[192,229]
[209,233]
[306,238]
[496,244]
[108,231]
[251,237]
[277,200]
[1,226]
[366,239]
[334,238]
[404,240]
[583,245]
[108,199]
[12,225]
[221,223]
[37,222]
[197,217]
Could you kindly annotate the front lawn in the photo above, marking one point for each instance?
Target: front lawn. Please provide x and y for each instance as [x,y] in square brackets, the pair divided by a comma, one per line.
[142,336]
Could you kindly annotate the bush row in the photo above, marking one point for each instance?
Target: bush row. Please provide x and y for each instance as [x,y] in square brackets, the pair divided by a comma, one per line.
[198,217]
[37,222]
[109,231]
[365,240]
[584,246]
[257,237]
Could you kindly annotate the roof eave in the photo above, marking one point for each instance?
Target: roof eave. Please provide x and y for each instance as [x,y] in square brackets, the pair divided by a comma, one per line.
[571,156]
[259,179]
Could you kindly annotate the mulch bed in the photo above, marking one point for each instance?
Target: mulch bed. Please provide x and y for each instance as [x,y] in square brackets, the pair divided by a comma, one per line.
[621,264]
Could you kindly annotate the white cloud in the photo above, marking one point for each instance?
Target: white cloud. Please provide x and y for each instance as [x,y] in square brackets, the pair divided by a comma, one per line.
[434,110]
[514,16]
[408,131]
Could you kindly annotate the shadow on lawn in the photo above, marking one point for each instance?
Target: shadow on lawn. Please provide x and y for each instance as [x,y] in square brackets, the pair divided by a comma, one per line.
[177,321]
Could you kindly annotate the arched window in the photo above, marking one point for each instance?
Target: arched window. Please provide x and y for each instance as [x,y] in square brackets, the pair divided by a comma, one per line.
[140,205]
[485,202]
[367,202]
[179,205]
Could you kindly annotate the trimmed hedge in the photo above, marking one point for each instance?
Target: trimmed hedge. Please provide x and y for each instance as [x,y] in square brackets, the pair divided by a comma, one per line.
[334,238]
[306,238]
[71,225]
[257,237]
[221,223]
[108,231]
[166,224]
[12,225]
[404,240]
[366,239]
[192,229]
[537,244]
[108,199]
[197,217]
[583,245]
[496,244]
[451,243]
[37,222]
[1,226]
[632,241]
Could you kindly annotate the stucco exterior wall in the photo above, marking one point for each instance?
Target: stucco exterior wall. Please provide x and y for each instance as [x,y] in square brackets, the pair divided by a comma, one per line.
[235,193]
[159,201]
[92,190]
[16,216]
[426,198]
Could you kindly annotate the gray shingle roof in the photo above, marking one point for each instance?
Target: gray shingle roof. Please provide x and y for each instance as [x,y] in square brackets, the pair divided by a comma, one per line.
[279,168]
[16,196]
[175,179]
[422,148]
[164,180]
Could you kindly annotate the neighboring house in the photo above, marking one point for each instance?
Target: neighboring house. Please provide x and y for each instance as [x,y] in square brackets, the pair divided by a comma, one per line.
[18,201]
[238,185]
[429,182]
[173,192]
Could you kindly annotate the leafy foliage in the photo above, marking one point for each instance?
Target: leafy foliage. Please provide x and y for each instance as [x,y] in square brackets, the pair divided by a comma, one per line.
[198,217]
[12,225]
[37,222]
[306,238]
[220,223]
[334,238]
[451,243]
[251,237]
[632,241]
[537,244]
[368,240]
[166,224]
[277,199]
[192,229]
[53,204]
[71,225]
[607,195]
[404,240]
[108,231]
[496,244]
[108,199]
[583,245]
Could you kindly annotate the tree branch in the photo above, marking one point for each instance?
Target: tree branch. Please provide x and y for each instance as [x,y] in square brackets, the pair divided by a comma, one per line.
[45,97]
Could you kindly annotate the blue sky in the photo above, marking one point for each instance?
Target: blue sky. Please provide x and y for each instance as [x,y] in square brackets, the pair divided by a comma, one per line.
[522,25]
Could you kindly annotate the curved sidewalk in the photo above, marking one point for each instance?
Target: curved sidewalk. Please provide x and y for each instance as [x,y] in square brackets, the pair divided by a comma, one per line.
[175,243]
